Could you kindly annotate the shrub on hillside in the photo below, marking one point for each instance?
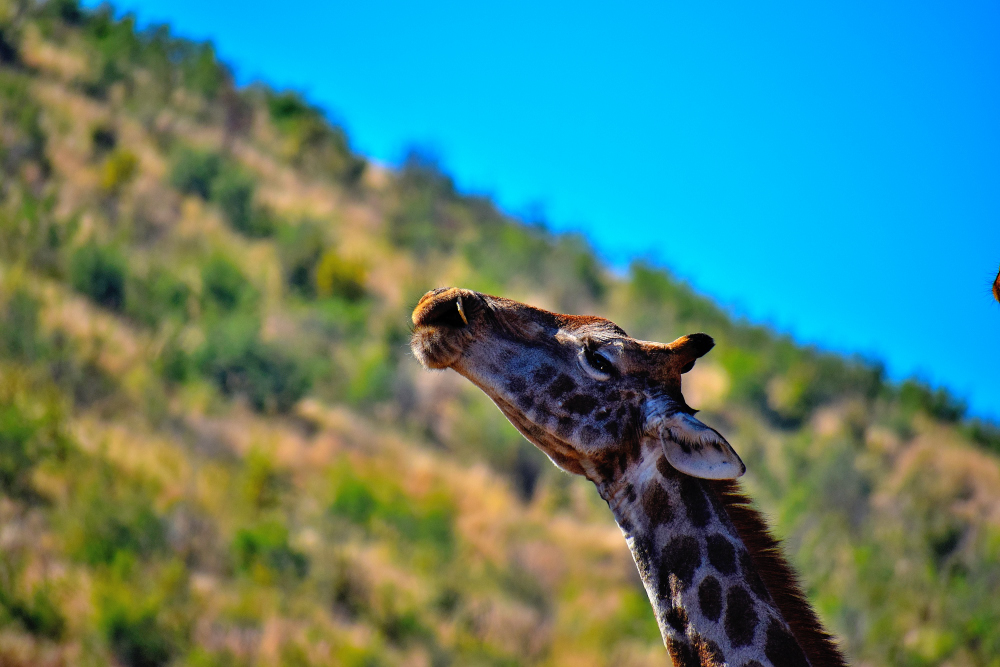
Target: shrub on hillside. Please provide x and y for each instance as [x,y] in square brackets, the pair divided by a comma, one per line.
[30,434]
[231,188]
[24,138]
[20,338]
[120,168]
[156,296]
[31,235]
[193,171]
[336,276]
[379,504]
[223,285]
[8,47]
[504,250]
[311,140]
[99,272]
[233,191]
[373,376]
[201,71]
[264,552]
[421,221]
[174,363]
[113,48]
[37,614]
[239,363]
[939,403]
[262,483]
[113,518]
[136,637]
[67,11]
[300,248]
[103,139]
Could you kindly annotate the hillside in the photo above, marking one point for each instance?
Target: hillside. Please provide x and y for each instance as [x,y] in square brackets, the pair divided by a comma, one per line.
[216,449]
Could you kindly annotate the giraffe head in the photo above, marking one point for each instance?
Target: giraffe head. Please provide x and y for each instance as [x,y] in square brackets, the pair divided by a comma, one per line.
[578,387]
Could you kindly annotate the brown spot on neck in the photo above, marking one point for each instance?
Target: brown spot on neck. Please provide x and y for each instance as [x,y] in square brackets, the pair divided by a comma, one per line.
[781,581]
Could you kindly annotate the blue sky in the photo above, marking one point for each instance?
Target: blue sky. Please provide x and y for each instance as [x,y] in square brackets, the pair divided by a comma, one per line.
[832,169]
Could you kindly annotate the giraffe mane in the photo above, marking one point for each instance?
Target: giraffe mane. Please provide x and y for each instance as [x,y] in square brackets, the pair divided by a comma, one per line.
[780,579]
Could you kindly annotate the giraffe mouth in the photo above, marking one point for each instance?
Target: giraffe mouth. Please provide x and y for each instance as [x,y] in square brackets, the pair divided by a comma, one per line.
[441,326]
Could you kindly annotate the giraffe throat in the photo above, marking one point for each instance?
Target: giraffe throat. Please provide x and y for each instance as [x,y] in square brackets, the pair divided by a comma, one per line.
[711,604]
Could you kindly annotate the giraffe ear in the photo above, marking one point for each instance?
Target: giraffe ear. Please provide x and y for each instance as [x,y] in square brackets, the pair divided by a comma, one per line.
[691,347]
[698,450]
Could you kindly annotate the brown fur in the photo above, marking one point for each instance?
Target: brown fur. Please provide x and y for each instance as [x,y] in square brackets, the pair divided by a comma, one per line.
[996,288]
[781,581]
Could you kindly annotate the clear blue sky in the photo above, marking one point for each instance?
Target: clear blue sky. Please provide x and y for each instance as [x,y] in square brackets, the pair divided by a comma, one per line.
[832,169]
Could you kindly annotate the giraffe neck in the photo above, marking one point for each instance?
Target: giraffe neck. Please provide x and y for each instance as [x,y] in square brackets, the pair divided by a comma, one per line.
[711,604]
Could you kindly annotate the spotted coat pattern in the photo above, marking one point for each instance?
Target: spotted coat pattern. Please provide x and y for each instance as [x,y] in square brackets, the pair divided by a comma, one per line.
[710,603]
[594,400]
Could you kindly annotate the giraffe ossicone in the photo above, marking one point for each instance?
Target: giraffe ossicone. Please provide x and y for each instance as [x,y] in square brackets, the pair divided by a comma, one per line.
[610,407]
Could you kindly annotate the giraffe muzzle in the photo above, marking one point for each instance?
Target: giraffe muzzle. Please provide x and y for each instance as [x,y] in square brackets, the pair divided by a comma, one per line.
[442,322]
[443,308]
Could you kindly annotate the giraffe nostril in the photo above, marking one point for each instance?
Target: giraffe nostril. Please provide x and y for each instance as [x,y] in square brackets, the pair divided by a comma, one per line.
[449,312]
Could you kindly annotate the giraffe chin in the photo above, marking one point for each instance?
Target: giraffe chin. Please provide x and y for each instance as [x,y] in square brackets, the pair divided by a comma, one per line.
[436,347]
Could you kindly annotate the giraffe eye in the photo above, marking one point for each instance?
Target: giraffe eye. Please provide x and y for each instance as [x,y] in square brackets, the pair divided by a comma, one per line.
[596,364]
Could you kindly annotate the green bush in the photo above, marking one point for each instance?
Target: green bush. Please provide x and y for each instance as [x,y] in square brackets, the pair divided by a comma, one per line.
[201,71]
[421,221]
[310,140]
[939,403]
[300,248]
[984,433]
[174,363]
[354,501]
[114,46]
[336,276]
[103,139]
[20,338]
[223,285]
[233,191]
[265,545]
[373,376]
[136,637]
[120,168]
[503,250]
[156,296]
[99,272]
[30,234]
[381,504]
[67,11]
[24,138]
[262,482]
[193,172]
[229,186]
[8,47]
[114,517]
[239,363]
[29,435]
[38,615]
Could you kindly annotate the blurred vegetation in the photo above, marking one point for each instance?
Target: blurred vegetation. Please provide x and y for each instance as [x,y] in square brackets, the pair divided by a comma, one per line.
[216,449]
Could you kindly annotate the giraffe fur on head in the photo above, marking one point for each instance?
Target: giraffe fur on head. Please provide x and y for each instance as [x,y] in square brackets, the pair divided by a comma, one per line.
[609,407]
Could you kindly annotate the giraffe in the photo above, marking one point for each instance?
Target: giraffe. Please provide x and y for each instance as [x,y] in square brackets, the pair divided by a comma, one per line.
[609,407]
